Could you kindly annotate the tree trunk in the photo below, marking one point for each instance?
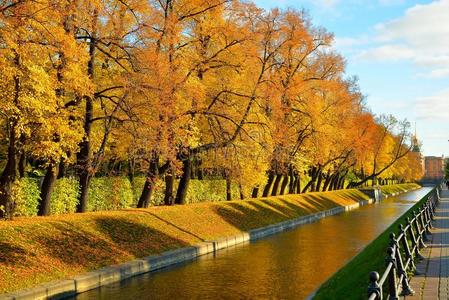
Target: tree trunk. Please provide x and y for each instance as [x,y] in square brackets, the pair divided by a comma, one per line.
[169,182]
[291,183]
[284,184]
[84,158]
[320,179]
[148,187]
[61,169]
[84,181]
[314,174]
[46,189]
[228,187]
[274,191]
[242,196]
[84,154]
[184,182]
[255,192]
[22,164]
[266,190]
[327,181]
[9,175]
[147,192]
[298,184]
[335,182]
[131,171]
[342,182]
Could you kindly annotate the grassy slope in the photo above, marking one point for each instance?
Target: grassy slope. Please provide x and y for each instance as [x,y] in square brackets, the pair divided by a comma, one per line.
[398,188]
[351,281]
[39,249]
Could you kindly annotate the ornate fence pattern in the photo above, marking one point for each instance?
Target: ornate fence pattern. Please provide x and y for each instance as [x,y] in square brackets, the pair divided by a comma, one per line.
[403,251]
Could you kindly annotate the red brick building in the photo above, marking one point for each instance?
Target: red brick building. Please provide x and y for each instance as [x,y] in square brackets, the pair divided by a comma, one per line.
[434,167]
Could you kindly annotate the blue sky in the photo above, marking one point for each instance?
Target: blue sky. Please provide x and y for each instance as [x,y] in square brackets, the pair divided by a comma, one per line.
[399,49]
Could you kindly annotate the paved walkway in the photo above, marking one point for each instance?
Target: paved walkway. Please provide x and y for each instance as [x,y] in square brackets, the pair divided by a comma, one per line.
[434,281]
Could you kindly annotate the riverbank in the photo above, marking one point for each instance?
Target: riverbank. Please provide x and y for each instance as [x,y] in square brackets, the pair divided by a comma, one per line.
[36,250]
[396,189]
[351,281]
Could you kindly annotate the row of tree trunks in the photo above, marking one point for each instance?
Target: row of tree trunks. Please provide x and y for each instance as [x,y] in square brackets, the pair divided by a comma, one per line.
[277,185]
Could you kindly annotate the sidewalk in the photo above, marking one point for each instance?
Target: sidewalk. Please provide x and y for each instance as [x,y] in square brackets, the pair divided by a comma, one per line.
[433,283]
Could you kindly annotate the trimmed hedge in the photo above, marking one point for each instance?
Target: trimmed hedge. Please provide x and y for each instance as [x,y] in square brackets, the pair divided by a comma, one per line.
[65,196]
[112,193]
[26,195]
[109,193]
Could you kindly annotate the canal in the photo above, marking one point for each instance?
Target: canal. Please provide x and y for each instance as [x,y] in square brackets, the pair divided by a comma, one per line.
[289,265]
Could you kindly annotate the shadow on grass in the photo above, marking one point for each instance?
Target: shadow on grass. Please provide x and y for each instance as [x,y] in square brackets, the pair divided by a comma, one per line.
[169,223]
[257,213]
[12,255]
[137,239]
[110,240]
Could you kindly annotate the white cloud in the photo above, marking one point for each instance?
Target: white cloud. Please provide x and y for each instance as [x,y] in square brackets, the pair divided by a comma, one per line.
[423,26]
[386,53]
[435,107]
[435,74]
[420,36]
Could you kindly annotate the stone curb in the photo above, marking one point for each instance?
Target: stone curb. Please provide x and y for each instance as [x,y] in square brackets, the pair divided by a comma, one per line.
[61,289]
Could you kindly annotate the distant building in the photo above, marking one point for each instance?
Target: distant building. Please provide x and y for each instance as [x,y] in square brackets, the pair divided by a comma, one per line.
[434,167]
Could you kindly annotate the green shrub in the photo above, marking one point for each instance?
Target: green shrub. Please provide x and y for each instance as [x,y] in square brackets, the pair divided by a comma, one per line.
[26,196]
[199,190]
[109,193]
[65,196]
[210,190]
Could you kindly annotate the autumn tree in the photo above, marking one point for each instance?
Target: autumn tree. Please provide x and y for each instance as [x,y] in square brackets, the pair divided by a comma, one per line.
[389,142]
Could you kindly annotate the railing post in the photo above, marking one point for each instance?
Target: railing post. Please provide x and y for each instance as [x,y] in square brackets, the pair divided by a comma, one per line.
[418,231]
[433,206]
[406,289]
[392,291]
[414,239]
[428,213]
[408,253]
[373,287]
[427,218]
[422,224]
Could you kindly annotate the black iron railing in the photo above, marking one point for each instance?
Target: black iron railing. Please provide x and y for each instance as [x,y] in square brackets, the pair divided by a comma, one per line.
[404,251]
